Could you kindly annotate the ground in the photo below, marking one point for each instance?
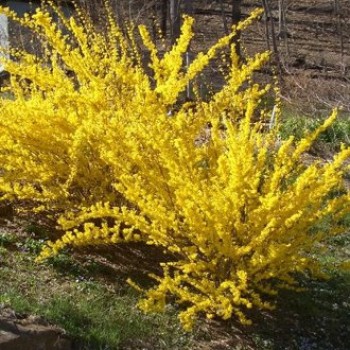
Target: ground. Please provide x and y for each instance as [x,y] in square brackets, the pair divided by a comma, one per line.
[85,293]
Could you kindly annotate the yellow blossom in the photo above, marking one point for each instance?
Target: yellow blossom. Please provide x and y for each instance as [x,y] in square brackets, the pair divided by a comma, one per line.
[109,150]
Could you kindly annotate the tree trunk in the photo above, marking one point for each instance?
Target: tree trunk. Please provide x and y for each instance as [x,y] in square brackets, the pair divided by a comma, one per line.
[236,17]
[188,7]
[164,16]
[188,10]
[270,21]
[282,24]
[224,19]
[175,20]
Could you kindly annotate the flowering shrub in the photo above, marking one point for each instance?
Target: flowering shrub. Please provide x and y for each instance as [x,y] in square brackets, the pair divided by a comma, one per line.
[99,148]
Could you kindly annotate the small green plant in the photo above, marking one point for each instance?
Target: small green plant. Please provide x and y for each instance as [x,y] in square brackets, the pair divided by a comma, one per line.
[7,239]
[65,263]
[299,126]
[31,244]
[37,230]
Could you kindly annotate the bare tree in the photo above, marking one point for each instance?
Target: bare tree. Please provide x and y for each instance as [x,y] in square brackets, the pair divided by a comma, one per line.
[270,29]
[175,19]
[160,17]
[188,7]
[164,16]
[236,17]
[283,34]
[281,18]
[224,19]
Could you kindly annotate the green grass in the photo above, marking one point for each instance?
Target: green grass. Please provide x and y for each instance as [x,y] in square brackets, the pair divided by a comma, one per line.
[100,319]
[96,315]
[317,318]
[91,301]
[6,239]
[298,126]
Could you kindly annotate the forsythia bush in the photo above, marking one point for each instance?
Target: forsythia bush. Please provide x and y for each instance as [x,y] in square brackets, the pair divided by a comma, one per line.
[114,154]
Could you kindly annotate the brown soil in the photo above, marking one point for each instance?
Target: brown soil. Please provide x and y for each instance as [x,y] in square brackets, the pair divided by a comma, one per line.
[313,48]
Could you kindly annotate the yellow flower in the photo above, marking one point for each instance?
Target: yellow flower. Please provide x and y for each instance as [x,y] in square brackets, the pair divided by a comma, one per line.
[112,154]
